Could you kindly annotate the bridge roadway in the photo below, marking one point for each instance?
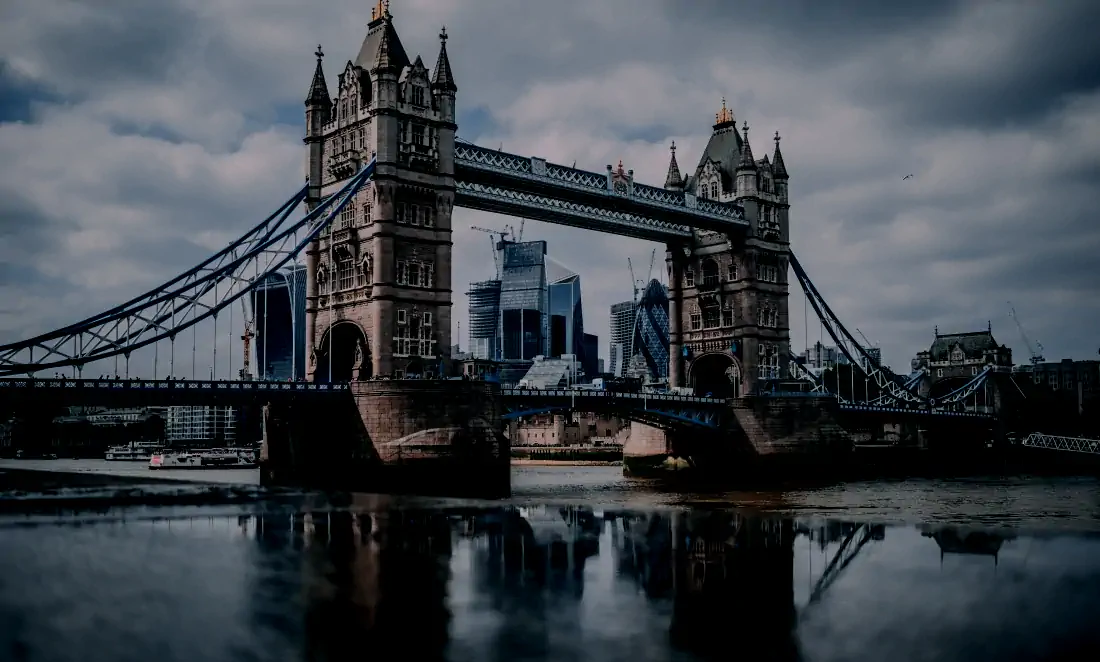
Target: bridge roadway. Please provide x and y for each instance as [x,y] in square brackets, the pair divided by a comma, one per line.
[137,393]
[662,410]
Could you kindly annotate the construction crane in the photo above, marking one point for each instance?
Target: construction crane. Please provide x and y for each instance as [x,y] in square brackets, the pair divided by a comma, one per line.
[247,336]
[496,245]
[633,281]
[649,275]
[1036,350]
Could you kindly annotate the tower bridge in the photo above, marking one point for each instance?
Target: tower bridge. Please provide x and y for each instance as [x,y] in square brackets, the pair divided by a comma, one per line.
[384,173]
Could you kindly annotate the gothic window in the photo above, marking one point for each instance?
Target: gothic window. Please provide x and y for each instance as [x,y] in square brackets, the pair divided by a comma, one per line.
[696,321]
[359,139]
[689,278]
[414,335]
[767,315]
[354,101]
[418,95]
[419,136]
[768,361]
[344,110]
[365,274]
[714,190]
[766,271]
[710,272]
[322,279]
[426,214]
[702,191]
[403,212]
[366,214]
[347,217]
[345,270]
[415,274]
[727,314]
[957,355]
[711,317]
[731,273]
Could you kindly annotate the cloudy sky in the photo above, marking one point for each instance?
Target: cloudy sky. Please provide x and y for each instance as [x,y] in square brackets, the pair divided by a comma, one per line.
[136,137]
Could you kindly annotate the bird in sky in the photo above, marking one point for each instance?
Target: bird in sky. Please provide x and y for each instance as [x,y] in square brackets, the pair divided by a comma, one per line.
[906,177]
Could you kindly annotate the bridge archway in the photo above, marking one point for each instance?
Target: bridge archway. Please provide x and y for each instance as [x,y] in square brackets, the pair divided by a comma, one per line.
[345,349]
[716,373]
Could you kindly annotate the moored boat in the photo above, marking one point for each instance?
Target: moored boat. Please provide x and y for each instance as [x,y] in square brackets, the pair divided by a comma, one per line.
[137,451]
[213,458]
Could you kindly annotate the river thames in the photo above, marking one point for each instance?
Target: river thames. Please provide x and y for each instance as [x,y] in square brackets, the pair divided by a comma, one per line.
[579,564]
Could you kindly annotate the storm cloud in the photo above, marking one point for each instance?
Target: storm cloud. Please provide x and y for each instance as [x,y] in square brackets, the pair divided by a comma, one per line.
[137,137]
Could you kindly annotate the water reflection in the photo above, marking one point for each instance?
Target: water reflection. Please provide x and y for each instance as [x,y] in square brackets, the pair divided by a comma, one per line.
[510,583]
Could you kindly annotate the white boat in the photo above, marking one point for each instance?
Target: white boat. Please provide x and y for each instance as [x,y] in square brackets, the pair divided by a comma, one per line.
[212,458]
[137,451]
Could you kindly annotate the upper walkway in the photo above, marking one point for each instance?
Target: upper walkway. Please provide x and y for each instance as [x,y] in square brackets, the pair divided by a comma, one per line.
[530,187]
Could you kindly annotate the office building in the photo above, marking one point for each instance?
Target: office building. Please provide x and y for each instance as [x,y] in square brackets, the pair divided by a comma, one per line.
[622,332]
[484,325]
[279,316]
[523,301]
[201,425]
[650,337]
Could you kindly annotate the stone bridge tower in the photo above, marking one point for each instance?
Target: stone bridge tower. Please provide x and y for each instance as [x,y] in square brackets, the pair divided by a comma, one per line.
[378,295]
[728,318]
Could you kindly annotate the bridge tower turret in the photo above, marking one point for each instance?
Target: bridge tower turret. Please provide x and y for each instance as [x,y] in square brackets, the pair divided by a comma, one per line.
[728,294]
[380,287]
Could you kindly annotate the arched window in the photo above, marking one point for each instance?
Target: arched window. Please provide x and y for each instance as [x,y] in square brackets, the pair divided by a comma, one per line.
[711,317]
[322,279]
[689,278]
[365,274]
[727,313]
[345,270]
[714,190]
[710,272]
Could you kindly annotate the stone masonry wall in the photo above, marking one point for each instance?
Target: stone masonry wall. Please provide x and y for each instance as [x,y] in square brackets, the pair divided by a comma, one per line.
[408,419]
[776,426]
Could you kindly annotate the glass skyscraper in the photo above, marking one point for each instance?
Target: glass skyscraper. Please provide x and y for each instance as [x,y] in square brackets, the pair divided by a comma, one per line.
[279,324]
[523,301]
[484,326]
[622,333]
[534,309]
[650,337]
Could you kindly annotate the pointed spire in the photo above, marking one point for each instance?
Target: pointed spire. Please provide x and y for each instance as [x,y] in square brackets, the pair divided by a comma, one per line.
[443,79]
[746,162]
[673,179]
[382,60]
[318,89]
[778,167]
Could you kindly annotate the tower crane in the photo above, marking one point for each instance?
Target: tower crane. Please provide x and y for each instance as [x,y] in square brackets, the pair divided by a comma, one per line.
[1036,350]
[246,336]
[649,275]
[496,245]
[633,281]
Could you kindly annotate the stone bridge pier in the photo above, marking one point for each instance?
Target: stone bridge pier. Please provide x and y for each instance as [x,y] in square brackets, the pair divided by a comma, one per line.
[761,438]
[392,436]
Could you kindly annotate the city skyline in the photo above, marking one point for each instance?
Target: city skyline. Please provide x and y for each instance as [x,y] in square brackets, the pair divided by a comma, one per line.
[122,171]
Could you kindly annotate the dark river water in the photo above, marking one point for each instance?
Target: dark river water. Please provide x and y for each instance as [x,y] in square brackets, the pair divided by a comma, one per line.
[580,564]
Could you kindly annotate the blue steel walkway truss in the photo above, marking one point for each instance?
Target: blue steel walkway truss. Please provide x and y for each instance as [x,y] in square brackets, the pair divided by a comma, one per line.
[661,410]
[530,187]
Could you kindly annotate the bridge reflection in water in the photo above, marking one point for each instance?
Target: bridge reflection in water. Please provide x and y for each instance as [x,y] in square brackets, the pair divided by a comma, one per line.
[509,583]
